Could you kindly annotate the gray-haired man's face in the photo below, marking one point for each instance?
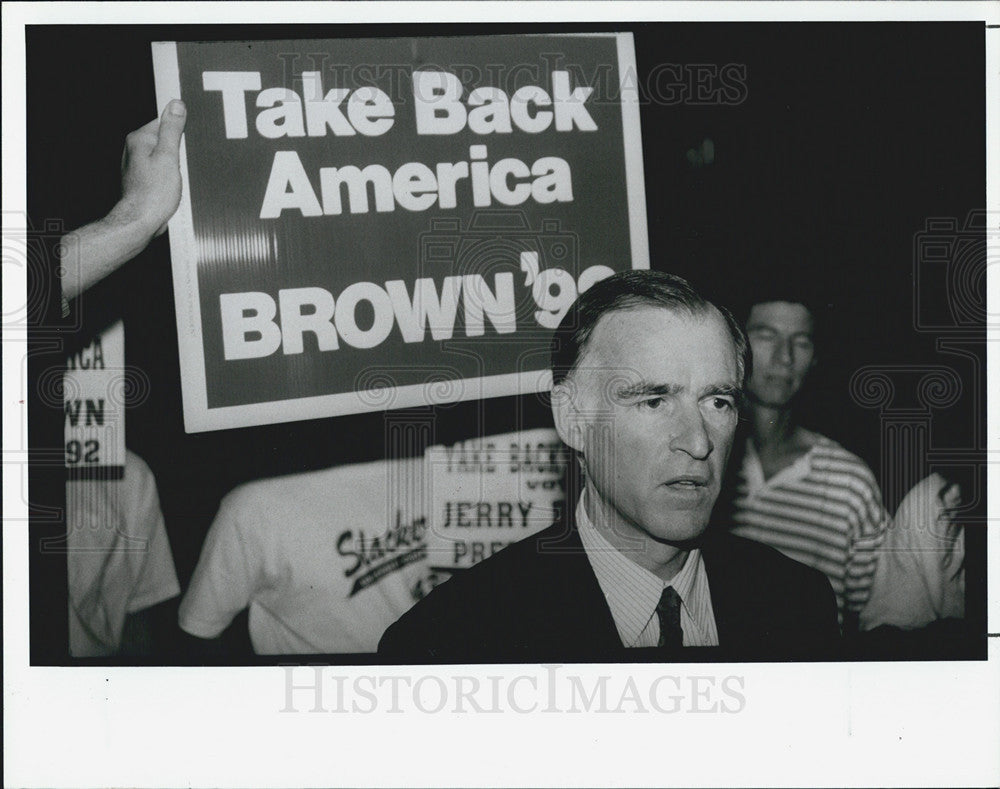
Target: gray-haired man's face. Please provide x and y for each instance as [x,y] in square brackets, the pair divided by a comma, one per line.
[656,394]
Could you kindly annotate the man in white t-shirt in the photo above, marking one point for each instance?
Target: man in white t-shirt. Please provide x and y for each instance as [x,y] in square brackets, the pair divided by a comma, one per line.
[324,560]
[118,557]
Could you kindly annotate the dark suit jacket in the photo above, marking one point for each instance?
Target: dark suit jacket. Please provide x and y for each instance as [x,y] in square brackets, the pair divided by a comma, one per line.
[539,601]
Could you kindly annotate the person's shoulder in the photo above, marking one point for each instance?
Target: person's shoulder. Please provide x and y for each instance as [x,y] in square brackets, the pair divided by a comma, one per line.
[763,561]
[247,498]
[480,602]
[519,566]
[138,481]
[352,486]
[828,455]
[257,504]
[136,466]
[140,499]
[740,549]
[826,447]
[262,496]
[793,606]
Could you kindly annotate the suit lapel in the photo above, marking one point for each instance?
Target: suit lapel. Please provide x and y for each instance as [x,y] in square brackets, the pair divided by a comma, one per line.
[578,616]
[728,584]
[581,618]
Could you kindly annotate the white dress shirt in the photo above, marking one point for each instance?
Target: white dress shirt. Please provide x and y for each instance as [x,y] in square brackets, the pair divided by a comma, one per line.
[633,592]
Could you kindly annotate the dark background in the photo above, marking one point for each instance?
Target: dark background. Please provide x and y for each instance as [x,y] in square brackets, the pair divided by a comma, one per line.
[850,138]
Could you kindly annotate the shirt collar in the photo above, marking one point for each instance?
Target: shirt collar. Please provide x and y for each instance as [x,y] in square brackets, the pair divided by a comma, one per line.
[632,592]
[753,469]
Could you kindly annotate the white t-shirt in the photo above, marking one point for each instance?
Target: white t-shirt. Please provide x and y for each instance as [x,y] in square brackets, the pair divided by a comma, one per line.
[921,569]
[325,560]
[117,556]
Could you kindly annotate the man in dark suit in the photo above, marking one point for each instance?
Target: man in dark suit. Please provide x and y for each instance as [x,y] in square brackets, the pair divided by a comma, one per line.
[647,381]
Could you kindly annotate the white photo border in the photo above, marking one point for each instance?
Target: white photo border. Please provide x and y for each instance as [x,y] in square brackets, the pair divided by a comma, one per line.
[825,724]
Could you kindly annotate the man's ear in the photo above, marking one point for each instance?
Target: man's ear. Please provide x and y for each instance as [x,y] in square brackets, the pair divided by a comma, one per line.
[566,414]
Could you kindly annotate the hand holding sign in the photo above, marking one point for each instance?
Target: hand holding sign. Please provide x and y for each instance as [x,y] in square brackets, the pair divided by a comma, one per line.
[151,175]
[151,192]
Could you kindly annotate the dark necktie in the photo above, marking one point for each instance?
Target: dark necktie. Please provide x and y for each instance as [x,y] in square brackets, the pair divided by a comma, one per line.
[669,612]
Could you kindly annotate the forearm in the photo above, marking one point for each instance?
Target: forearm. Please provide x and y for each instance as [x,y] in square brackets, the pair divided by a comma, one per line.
[94,251]
[151,191]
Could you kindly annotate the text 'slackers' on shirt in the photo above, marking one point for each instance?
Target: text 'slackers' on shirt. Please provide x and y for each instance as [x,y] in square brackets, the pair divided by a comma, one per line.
[325,560]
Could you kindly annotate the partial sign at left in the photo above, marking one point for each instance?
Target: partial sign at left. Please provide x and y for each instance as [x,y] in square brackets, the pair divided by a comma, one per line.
[94,389]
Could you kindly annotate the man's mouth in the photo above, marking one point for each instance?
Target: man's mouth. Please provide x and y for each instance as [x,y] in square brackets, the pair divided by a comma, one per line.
[690,483]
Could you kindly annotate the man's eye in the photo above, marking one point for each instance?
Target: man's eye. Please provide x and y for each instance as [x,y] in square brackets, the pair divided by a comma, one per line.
[652,403]
[722,403]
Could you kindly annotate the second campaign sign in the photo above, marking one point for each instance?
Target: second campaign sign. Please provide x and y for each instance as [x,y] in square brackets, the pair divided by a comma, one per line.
[374,224]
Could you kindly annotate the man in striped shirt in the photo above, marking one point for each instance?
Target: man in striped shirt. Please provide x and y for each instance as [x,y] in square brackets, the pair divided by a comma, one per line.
[799,491]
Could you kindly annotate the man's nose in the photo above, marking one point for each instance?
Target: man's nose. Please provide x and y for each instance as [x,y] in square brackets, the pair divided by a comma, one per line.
[783,353]
[691,435]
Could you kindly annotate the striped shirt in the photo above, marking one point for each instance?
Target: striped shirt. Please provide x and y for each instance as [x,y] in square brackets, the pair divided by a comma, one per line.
[633,592]
[825,511]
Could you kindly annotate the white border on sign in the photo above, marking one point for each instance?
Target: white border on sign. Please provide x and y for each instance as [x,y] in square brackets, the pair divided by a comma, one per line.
[824,724]
[199,417]
[183,253]
[632,139]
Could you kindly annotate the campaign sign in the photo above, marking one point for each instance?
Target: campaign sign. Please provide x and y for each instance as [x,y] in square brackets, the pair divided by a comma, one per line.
[94,389]
[487,493]
[375,224]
